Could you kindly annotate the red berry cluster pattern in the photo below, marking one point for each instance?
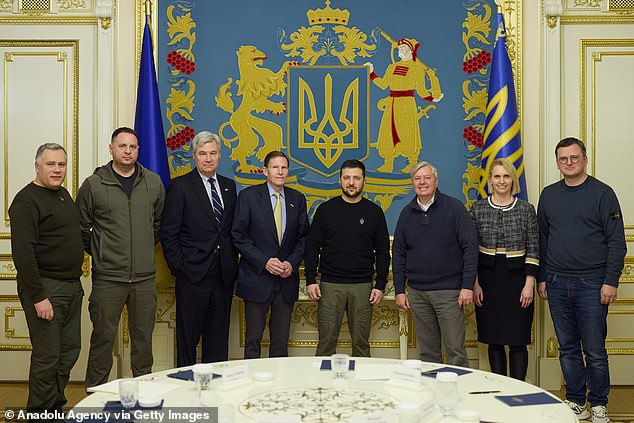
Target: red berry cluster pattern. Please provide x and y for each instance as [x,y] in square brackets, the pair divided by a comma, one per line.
[473,136]
[180,139]
[477,62]
[180,63]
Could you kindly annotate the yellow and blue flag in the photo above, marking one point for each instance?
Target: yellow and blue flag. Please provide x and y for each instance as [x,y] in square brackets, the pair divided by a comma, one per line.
[148,122]
[502,127]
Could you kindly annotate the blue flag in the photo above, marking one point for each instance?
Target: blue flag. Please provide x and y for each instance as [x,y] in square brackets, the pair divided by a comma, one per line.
[502,128]
[148,122]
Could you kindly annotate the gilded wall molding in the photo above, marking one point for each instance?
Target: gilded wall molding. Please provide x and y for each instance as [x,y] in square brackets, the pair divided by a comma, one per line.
[597,20]
[143,8]
[48,20]
[71,129]
[72,4]
[628,271]
[597,57]
[552,11]
[583,5]
[9,332]
[305,316]
[584,45]
[7,267]
[620,351]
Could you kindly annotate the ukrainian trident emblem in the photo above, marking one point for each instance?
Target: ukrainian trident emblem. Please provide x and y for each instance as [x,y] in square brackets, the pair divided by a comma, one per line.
[328,116]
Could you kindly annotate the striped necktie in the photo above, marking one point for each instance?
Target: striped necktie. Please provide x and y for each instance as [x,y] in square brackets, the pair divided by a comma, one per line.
[215,201]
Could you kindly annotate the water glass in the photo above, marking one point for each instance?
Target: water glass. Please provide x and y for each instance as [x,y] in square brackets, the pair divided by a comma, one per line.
[128,392]
[340,364]
[447,392]
[203,374]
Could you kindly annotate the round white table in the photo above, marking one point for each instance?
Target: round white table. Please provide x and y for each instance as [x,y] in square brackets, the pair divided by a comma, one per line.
[300,388]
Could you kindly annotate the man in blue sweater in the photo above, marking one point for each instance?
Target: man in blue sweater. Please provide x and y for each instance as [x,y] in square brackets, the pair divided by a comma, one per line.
[582,243]
[435,251]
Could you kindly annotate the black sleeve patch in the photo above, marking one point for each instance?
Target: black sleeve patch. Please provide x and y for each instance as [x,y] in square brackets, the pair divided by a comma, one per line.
[616,215]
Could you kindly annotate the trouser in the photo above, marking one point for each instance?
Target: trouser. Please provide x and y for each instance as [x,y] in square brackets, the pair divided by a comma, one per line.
[354,300]
[203,309]
[437,316]
[579,319]
[56,343]
[106,304]
[279,324]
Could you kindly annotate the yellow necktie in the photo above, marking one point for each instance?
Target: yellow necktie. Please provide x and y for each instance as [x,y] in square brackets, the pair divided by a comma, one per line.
[277,215]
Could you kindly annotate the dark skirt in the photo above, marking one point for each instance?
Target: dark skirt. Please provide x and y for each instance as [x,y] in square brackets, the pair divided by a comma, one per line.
[501,320]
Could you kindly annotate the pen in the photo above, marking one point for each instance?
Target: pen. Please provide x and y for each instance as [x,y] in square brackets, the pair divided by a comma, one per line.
[483,392]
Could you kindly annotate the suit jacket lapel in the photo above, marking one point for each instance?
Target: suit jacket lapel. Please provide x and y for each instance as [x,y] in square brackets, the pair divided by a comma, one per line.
[227,200]
[201,193]
[267,210]
[291,213]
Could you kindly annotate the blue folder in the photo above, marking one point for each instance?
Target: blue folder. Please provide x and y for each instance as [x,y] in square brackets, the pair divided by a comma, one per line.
[459,372]
[538,398]
[326,365]
[188,375]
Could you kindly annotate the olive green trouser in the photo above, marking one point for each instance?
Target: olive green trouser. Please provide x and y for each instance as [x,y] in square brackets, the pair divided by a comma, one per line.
[56,343]
[105,306]
[354,299]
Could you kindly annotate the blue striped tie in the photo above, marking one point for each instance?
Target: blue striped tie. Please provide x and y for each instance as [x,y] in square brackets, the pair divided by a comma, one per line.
[217,205]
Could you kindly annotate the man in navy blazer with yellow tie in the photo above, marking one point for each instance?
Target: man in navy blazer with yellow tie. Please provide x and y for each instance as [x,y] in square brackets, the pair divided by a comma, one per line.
[269,229]
[196,239]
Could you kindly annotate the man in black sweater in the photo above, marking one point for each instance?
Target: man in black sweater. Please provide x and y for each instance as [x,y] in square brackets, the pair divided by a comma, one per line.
[582,251]
[48,254]
[347,240]
[435,250]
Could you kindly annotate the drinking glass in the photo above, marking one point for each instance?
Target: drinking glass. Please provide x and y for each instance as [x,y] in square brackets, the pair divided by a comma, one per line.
[340,364]
[203,374]
[128,392]
[447,392]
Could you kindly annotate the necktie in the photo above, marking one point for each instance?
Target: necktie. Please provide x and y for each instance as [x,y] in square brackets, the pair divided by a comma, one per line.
[277,215]
[215,201]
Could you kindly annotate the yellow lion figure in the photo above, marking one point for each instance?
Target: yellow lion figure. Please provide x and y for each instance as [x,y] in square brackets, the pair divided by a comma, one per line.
[256,85]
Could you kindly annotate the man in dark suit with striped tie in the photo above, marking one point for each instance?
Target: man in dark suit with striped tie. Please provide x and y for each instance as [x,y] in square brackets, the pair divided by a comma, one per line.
[196,240]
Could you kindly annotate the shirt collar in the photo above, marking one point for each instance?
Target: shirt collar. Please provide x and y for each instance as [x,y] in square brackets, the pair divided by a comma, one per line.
[425,207]
[272,190]
[205,178]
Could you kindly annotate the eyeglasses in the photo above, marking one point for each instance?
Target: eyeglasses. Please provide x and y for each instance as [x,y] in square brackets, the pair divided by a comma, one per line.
[573,159]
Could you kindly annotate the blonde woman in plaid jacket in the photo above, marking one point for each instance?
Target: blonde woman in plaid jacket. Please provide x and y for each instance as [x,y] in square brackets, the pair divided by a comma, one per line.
[508,263]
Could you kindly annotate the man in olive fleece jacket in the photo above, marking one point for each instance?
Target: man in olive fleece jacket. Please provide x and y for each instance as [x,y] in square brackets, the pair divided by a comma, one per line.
[120,209]
[47,252]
